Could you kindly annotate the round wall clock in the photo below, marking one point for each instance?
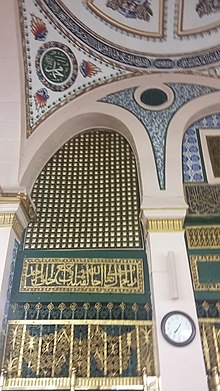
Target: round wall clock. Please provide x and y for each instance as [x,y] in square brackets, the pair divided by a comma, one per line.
[178,328]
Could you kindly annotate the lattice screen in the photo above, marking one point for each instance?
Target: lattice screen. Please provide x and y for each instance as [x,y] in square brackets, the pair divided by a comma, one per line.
[87,196]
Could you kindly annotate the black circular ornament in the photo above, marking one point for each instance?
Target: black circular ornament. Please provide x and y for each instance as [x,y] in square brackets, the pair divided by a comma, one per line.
[153,97]
[178,328]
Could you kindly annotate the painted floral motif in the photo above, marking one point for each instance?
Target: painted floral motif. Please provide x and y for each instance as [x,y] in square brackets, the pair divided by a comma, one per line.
[38,28]
[89,69]
[207,7]
[41,98]
[139,9]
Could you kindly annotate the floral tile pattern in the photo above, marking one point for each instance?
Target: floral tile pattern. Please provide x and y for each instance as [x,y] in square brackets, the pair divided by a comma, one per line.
[193,170]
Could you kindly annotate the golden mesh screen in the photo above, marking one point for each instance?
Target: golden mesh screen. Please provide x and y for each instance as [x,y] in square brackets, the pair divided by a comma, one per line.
[87,196]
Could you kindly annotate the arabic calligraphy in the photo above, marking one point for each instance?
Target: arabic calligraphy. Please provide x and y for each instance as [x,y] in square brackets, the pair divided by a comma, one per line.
[203,199]
[82,275]
[56,66]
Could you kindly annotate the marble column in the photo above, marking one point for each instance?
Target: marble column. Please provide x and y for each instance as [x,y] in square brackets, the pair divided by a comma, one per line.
[179,368]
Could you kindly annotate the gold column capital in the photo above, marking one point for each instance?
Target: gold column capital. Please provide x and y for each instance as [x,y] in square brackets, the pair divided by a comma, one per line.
[164,219]
[22,199]
[164,225]
[16,210]
[11,220]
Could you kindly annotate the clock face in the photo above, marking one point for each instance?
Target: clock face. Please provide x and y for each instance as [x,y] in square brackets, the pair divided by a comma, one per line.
[178,328]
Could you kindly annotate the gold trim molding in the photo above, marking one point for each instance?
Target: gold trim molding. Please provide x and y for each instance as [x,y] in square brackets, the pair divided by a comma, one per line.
[11,220]
[164,225]
[134,383]
[199,286]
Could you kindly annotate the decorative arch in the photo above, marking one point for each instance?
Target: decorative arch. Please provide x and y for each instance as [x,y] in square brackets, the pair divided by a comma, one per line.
[87,111]
[103,116]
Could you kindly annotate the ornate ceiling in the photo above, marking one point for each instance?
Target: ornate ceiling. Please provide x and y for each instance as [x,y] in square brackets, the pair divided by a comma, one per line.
[139,32]
[71,46]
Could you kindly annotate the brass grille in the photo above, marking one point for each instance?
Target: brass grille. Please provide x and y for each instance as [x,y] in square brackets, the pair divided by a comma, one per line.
[210,334]
[115,351]
[87,196]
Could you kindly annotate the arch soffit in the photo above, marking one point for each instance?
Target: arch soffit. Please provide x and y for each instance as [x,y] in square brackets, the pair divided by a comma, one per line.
[89,120]
[63,125]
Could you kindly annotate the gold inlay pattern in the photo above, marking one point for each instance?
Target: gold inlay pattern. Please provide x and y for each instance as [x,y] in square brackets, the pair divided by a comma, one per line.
[87,196]
[165,225]
[11,220]
[203,237]
[54,348]
[82,275]
[194,260]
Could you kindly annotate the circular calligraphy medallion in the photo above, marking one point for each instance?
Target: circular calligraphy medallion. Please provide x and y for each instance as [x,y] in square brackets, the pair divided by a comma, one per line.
[56,66]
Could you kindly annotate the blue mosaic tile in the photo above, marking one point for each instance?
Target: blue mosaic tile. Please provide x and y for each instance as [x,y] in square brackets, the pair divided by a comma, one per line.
[156,123]
[193,170]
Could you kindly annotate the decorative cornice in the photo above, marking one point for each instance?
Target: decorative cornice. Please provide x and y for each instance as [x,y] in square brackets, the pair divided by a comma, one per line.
[164,225]
[11,220]
[22,199]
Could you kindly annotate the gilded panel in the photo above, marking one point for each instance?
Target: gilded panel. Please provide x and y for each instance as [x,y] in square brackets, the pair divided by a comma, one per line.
[205,272]
[82,275]
[203,237]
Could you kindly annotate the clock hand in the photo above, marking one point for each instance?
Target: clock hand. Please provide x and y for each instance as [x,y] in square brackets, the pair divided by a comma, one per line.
[177,328]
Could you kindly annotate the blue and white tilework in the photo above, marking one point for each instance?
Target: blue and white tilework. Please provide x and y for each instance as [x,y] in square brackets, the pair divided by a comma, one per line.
[193,170]
[157,122]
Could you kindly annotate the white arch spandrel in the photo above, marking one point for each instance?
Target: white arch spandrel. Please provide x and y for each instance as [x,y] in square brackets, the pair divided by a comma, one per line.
[85,112]
[63,125]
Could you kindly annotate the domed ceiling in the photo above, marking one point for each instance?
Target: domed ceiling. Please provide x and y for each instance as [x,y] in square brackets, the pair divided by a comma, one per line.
[72,46]
[158,34]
